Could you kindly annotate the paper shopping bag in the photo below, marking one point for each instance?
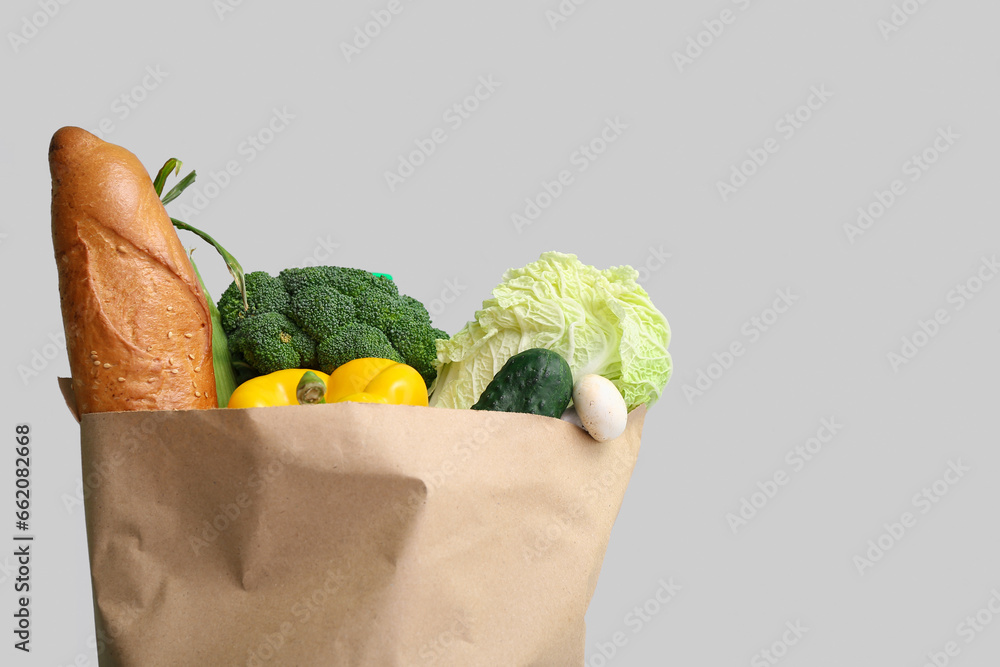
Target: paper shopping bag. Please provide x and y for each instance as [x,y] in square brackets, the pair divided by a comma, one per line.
[347,534]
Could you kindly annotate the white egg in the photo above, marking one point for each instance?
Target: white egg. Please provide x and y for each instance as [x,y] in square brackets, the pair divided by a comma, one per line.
[600,406]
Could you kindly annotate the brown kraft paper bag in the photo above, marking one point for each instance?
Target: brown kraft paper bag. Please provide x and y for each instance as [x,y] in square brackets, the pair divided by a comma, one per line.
[347,534]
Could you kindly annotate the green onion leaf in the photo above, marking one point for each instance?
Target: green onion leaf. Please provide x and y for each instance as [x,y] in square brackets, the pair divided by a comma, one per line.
[178,189]
[173,164]
[235,270]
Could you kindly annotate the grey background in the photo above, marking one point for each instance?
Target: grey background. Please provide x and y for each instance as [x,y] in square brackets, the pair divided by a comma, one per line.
[318,191]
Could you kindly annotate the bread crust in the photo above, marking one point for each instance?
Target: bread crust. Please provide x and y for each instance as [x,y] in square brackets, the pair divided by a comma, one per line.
[138,328]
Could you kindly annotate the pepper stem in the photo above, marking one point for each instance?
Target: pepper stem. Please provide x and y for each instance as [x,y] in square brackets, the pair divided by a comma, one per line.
[311,389]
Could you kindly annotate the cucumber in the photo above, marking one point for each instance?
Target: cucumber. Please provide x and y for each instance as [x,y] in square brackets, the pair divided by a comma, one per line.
[536,381]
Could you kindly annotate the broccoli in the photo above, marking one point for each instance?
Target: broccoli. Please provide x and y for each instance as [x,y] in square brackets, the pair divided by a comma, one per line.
[352,282]
[271,342]
[321,310]
[415,341]
[354,341]
[309,276]
[377,309]
[264,295]
[417,308]
[355,283]
[306,347]
[323,316]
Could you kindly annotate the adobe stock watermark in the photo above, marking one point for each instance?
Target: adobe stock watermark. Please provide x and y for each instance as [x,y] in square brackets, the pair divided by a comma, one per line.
[322,253]
[562,12]
[796,459]
[83,659]
[655,260]
[787,126]
[453,289]
[100,640]
[113,628]
[8,568]
[225,7]
[122,106]
[101,472]
[913,169]
[899,17]
[104,637]
[636,620]
[40,357]
[300,613]
[923,501]
[778,649]
[958,298]
[454,117]
[752,330]
[461,454]
[580,160]
[203,193]
[968,630]
[436,648]
[133,439]
[32,24]
[588,493]
[364,34]
[226,515]
[712,29]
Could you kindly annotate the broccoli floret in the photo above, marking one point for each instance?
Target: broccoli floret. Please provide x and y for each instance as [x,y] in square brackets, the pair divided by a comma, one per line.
[321,310]
[306,346]
[355,341]
[416,343]
[271,342]
[361,284]
[323,316]
[417,308]
[412,306]
[309,276]
[265,294]
[377,308]
[352,282]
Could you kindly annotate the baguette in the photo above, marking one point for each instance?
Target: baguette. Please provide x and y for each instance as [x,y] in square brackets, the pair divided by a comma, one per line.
[138,328]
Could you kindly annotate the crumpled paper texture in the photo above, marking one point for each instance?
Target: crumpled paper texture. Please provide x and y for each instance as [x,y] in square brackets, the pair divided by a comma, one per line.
[347,534]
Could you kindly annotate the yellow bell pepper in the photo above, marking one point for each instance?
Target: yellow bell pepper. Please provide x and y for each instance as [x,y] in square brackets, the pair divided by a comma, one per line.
[371,380]
[288,387]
